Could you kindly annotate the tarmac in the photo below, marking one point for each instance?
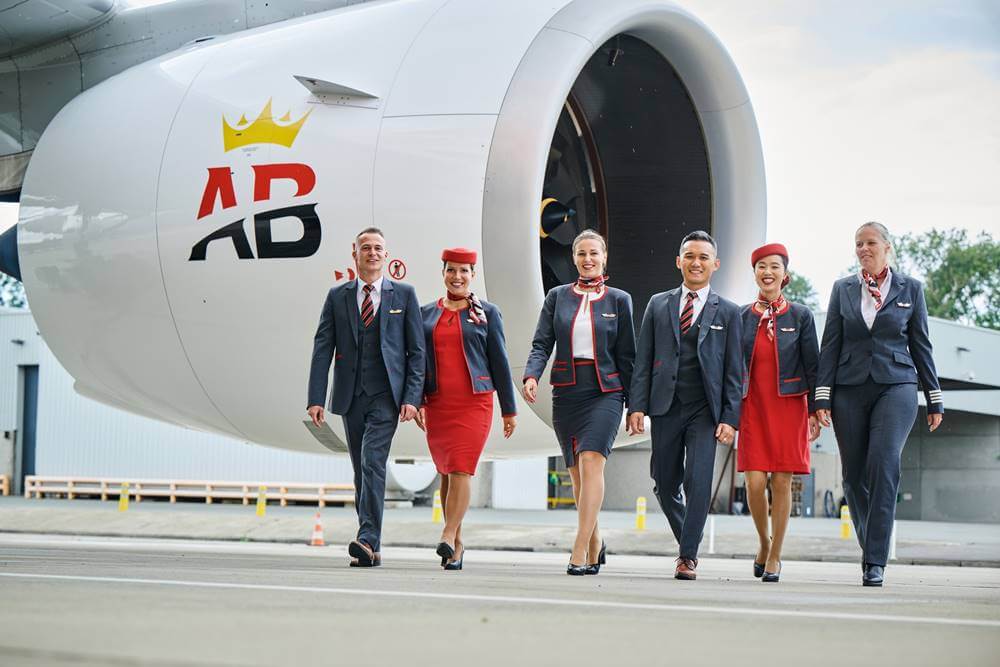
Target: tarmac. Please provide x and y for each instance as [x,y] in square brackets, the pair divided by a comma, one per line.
[545,531]
[89,601]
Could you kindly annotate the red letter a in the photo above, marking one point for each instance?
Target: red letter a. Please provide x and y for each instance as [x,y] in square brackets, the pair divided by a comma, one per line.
[220,182]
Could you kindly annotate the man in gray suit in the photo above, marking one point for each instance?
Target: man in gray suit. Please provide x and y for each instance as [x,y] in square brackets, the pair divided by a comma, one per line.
[371,329]
[687,377]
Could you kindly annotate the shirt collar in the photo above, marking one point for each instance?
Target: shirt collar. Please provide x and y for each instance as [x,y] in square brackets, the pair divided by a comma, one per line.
[377,284]
[702,293]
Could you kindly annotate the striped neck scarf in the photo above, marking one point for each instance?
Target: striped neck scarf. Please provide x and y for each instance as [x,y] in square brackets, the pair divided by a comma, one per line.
[591,283]
[476,311]
[873,282]
[770,311]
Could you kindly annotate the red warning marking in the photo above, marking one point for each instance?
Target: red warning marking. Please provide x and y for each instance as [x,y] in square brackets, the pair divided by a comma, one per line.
[340,274]
[397,269]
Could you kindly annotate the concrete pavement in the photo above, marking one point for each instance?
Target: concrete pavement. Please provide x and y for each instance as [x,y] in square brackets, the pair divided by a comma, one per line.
[111,601]
[813,539]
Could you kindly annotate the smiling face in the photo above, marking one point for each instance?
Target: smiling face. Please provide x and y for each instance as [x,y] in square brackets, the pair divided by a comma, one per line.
[871,249]
[590,258]
[769,272]
[458,278]
[697,263]
[369,255]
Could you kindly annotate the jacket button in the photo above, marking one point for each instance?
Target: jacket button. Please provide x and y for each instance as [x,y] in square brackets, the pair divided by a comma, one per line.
[673,377]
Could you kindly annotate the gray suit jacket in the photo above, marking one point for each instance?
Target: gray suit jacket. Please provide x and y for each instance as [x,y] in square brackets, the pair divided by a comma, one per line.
[336,339]
[896,350]
[719,351]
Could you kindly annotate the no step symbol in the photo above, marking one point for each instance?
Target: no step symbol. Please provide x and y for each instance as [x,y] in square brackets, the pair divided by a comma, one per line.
[397,269]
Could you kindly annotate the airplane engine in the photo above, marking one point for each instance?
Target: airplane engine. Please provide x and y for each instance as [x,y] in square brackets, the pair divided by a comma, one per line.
[182,222]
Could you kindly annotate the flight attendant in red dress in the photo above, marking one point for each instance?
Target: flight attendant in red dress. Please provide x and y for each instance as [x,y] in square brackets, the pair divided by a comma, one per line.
[776,421]
[466,363]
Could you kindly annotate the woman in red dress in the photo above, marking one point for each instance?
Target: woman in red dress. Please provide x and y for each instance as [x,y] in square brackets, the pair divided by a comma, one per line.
[776,420]
[466,363]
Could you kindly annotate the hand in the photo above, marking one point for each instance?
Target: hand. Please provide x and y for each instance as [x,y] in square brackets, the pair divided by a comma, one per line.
[407,412]
[636,423]
[420,418]
[933,421]
[814,428]
[530,390]
[823,416]
[316,414]
[509,423]
[725,434]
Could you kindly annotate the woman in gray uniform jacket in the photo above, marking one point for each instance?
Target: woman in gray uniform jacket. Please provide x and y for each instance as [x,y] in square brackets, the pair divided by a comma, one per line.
[875,349]
[590,326]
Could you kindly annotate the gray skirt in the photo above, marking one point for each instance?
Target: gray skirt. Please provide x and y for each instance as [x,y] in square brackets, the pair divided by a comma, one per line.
[585,418]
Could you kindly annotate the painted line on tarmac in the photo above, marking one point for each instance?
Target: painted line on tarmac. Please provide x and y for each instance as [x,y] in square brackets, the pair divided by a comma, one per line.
[510,599]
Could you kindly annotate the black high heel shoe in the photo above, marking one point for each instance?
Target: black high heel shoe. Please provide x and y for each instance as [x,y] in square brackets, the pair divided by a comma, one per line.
[758,569]
[576,570]
[771,577]
[446,551]
[455,564]
[602,559]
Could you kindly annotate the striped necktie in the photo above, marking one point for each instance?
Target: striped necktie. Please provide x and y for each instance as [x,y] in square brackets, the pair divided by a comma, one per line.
[687,315]
[368,307]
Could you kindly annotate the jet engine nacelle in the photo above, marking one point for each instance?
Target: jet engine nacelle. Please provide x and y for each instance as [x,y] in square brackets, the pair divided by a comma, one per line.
[181,222]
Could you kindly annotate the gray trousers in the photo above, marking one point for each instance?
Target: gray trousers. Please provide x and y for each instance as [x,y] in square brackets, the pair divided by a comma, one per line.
[871,422]
[683,456]
[370,424]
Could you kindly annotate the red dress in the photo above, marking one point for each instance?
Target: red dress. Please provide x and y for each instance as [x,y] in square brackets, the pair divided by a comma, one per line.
[458,421]
[774,430]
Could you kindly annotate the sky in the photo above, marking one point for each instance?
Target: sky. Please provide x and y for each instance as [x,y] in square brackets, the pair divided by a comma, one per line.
[885,111]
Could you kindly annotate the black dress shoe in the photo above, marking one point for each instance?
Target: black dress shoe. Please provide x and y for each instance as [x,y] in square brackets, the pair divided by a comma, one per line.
[455,564]
[771,577]
[576,570]
[758,569]
[364,553]
[873,575]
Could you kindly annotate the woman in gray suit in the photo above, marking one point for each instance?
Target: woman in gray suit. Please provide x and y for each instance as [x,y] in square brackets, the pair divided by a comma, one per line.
[875,349]
[590,326]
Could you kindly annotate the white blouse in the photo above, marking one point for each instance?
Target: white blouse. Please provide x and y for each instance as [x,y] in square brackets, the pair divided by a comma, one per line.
[583,328]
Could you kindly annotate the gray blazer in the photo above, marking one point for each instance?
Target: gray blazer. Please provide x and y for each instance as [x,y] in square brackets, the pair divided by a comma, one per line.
[719,351]
[336,339]
[896,350]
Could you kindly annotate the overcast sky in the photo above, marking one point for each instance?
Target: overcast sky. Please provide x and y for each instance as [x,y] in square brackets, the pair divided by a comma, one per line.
[884,111]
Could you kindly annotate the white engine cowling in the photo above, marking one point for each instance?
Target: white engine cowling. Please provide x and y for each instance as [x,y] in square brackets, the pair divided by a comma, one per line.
[179,230]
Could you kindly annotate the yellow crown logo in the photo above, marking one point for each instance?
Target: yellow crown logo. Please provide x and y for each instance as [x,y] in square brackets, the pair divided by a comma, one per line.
[264,130]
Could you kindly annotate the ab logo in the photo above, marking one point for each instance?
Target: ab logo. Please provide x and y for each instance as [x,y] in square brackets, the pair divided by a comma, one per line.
[266,129]
[220,186]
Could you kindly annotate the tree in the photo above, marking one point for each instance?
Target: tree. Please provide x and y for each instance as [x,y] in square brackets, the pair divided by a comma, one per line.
[12,292]
[961,275]
[800,290]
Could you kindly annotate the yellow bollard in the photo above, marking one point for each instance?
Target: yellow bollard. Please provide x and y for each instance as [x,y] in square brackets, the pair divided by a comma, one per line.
[261,500]
[437,515]
[845,523]
[640,513]
[123,498]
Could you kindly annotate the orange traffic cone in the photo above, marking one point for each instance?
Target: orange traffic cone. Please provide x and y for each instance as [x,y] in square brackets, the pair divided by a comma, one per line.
[317,536]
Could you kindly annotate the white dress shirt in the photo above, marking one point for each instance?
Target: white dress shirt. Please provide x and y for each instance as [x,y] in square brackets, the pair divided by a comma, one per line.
[868,310]
[583,328]
[376,293]
[698,304]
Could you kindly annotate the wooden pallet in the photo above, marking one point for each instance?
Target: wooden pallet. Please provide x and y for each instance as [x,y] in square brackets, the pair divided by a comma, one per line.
[111,487]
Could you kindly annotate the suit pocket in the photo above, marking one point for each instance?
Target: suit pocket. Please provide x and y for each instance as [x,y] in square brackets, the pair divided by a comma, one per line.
[844,358]
[903,358]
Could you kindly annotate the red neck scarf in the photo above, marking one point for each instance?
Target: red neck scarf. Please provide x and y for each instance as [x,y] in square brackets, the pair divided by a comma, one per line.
[770,311]
[591,283]
[476,311]
[873,282]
